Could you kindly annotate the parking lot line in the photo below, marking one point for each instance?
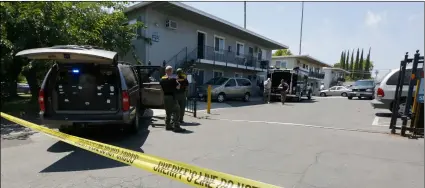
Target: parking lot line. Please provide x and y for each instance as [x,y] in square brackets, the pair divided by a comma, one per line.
[375,121]
[303,125]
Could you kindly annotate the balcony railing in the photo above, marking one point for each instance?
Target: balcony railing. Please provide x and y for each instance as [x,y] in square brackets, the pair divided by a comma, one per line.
[316,75]
[225,56]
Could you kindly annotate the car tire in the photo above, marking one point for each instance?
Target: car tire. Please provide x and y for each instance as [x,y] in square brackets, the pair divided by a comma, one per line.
[349,98]
[135,125]
[221,97]
[246,97]
[344,94]
[323,94]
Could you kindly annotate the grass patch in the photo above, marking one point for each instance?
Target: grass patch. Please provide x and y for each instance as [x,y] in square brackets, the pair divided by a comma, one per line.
[20,106]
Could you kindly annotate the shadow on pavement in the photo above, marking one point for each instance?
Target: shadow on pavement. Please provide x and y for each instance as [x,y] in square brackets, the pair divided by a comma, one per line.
[383,114]
[80,159]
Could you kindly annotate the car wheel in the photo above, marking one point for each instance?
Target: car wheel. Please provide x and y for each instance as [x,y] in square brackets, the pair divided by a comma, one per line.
[221,97]
[344,94]
[134,127]
[350,98]
[246,97]
[323,94]
[402,107]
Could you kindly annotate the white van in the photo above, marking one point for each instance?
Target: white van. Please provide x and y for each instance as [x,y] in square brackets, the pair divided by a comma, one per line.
[385,89]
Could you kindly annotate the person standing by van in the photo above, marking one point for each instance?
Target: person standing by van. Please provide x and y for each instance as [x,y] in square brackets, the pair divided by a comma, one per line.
[182,92]
[283,87]
[267,90]
[170,85]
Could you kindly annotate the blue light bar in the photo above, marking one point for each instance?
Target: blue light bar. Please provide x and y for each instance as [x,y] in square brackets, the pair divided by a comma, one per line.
[75,71]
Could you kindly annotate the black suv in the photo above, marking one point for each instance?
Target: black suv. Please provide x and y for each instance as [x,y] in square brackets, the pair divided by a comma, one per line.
[362,88]
[88,86]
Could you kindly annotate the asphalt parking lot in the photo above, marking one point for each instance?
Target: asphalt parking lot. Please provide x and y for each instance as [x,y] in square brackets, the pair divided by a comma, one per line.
[327,142]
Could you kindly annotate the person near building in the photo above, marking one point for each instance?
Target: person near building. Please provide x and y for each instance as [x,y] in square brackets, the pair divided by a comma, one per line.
[170,85]
[322,86]
[283,87]
[267,89]
[181,93]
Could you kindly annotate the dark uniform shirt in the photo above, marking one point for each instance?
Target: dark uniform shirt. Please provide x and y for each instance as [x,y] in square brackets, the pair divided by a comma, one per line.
[168,85]
[184,83]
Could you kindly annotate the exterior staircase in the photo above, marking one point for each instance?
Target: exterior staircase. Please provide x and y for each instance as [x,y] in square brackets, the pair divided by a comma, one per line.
[185,59]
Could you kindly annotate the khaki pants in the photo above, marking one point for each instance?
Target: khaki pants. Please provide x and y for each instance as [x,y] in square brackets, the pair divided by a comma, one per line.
[181,100]
[172,111]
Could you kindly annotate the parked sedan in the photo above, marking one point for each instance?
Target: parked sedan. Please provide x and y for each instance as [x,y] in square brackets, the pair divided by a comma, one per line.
[335,91]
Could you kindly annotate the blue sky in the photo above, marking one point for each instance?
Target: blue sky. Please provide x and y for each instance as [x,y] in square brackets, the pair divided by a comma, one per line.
[389,28]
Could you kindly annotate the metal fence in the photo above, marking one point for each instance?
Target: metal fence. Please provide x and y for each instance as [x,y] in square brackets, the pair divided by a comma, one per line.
[192,97]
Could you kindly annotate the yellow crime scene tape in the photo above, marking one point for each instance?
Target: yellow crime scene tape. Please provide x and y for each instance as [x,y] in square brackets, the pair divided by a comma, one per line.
[188,174]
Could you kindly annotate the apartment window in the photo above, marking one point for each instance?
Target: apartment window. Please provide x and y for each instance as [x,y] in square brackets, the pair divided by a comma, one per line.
[260,54]
[283,64]
[278,64]
[239,49]
[218,43]
[251,51]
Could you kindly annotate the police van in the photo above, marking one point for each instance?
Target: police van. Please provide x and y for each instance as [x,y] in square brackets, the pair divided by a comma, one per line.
[296,79]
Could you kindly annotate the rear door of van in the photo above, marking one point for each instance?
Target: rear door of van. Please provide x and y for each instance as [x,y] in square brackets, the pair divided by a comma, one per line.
[83,81]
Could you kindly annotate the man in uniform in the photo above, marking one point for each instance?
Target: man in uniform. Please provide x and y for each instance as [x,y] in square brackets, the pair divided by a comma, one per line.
[170,86]
[283,87]
[181,93]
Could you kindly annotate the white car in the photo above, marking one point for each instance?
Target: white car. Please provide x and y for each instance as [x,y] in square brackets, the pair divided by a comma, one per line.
[385,90]
[335,91]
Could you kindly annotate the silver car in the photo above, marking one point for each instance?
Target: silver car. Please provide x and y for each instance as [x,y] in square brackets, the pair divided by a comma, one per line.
[335,91]
[227,88]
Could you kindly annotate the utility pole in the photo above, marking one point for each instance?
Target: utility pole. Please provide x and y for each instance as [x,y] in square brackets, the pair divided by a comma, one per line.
[301,31]
[244,14]
[376,75]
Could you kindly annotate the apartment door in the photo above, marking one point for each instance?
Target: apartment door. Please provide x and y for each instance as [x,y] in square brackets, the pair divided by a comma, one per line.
[201,45]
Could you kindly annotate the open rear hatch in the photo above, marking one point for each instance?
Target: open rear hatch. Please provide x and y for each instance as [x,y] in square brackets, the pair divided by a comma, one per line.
[86,87]
[85,80]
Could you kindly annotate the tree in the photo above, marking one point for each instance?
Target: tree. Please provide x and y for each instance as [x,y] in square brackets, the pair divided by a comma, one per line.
[367,65]
[356,65]
[282,52]
[27,25]
[337,65]
[347,63]
[341,61]
[361,64]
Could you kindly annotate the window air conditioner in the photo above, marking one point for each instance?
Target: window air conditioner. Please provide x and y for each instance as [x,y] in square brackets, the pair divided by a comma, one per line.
[171,24]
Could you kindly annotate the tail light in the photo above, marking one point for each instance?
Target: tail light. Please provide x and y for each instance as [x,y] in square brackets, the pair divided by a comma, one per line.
[41,100]
[125,101]
[380,92]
